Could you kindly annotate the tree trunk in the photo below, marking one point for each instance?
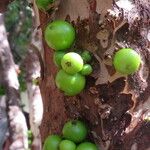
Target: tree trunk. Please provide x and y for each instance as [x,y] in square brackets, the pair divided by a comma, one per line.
[115,107]
[9,79]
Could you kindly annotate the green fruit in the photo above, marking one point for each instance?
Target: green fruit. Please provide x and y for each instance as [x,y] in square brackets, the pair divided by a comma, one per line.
[30,134]
[87,146]
[58,57]
[72,63]
[70,84]
[86,70]
[75,131]
[127,61]
[59,35]
[2,90]
[29,142]
[67,145]
[86,56]
[52,142]
[43,4]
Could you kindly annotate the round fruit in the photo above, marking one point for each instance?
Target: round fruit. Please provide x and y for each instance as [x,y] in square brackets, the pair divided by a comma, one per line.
[67,145]
[30,134]
[75,131]
[59,35]
[87,146]
[58,57]
[29,142]
[126,61]
[86,56]
[70,84]
[43,4]
[86,70]
[52,142]
[72,63]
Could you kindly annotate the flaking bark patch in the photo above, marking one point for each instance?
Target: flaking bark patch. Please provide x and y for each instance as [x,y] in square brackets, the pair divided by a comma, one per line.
[108,103]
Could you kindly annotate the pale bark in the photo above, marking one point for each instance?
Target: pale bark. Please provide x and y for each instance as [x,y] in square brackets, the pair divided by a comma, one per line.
[33,69]
[17,122]
[3,121]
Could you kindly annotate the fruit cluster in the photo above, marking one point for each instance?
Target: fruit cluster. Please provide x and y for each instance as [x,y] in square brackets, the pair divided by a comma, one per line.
[74,138]
[70,79]
[60,35]
[30,138]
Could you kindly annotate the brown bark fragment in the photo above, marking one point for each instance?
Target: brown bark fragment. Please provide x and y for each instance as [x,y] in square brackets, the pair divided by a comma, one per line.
[3,5]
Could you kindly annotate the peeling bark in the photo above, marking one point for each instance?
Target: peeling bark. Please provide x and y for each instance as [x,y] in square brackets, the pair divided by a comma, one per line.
[110,101]
[32,69]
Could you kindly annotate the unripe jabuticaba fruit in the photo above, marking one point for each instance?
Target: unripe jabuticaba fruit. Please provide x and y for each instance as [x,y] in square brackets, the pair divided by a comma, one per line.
[126,61]
[43,4]
[59,35]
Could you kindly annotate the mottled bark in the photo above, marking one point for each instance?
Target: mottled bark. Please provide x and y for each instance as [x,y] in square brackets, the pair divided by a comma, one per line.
[17,122]
[33,70]
[3,121]
[110,102]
